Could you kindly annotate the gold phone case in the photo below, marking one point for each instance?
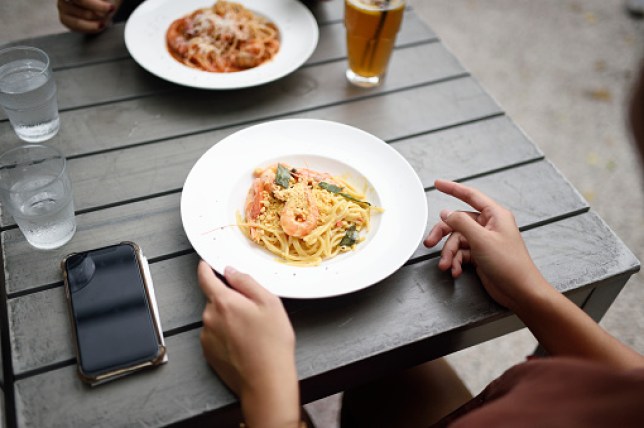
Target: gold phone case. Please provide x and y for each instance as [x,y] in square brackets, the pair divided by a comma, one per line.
[158,359]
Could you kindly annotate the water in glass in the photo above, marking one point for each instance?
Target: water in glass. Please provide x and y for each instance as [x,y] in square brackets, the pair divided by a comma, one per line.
[28,95]
[46,218]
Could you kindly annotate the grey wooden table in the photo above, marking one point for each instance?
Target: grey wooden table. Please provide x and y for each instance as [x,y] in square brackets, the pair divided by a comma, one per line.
[131,140]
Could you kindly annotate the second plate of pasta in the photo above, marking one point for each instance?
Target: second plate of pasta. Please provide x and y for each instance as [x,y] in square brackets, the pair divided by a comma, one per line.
[157,41]
[227,200]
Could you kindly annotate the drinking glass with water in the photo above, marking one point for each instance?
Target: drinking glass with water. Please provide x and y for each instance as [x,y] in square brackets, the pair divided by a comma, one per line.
[36,191]
[28,93]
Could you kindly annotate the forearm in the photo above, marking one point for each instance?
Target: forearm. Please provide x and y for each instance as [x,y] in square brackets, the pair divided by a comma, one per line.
[563,329]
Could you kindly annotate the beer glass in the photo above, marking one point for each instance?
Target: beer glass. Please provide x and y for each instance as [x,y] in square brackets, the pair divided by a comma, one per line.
[372,26]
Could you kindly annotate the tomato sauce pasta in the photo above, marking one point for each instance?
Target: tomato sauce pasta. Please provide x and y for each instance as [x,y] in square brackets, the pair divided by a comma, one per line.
[304,216]
[223,38]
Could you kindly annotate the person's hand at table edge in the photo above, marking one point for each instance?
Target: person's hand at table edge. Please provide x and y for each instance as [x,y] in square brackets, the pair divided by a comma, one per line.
[490,240]
[86,16]
[248,340]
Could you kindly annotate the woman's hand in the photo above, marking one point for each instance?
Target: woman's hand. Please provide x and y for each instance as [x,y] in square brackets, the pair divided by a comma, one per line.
[86,16]
[248,340]
[490,240]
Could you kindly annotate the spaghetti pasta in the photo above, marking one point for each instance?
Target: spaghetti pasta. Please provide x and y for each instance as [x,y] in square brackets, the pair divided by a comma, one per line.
[304,216]
[224,38]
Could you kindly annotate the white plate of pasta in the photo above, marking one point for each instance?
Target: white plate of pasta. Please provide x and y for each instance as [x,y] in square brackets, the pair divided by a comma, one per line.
[219,44]
[346,165]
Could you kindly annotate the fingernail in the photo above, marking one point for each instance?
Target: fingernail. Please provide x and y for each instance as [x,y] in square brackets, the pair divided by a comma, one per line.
[445,214]
[229,270]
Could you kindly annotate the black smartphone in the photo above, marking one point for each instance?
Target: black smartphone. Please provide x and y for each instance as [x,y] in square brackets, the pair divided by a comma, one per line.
[112,311]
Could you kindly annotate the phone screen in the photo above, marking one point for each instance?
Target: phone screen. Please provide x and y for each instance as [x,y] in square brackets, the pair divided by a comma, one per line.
[114,325]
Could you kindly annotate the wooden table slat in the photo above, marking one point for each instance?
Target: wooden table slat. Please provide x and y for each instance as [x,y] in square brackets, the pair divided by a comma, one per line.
[467,150]
[545,186]
[70,49]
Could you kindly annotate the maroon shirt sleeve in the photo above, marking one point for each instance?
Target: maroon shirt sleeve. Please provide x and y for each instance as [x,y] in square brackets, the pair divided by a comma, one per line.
[556,392]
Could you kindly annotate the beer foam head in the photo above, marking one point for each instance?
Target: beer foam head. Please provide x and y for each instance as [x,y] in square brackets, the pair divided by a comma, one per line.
[377,4]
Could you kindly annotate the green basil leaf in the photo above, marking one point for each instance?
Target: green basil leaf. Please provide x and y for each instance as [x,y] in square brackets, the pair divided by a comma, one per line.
[357,201]
[330,187]
[283,176]
[335,189]
[350,237]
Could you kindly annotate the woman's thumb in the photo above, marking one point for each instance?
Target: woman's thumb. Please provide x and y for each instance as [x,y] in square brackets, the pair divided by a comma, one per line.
[245,284]
[465,223]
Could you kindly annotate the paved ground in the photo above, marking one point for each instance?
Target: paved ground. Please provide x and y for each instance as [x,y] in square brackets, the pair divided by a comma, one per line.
[562,70]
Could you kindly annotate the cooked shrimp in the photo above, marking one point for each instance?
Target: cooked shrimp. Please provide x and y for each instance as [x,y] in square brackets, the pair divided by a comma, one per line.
[254,199]
[300,213]
[267,175]
[258,195]
[311,177]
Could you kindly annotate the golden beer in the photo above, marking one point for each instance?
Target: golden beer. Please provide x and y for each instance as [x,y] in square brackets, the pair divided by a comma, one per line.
[371,27]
